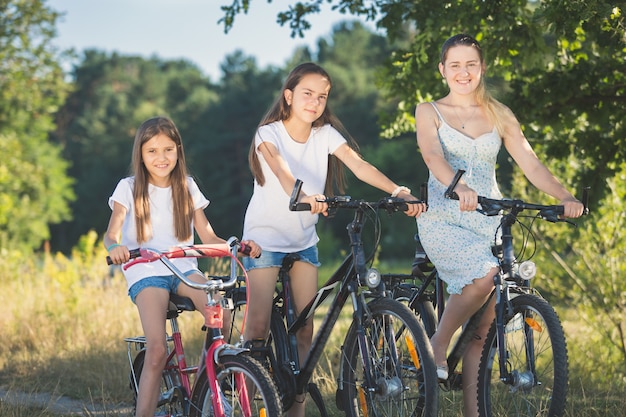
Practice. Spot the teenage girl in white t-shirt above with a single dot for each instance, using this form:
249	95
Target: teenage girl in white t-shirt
158	208
298	138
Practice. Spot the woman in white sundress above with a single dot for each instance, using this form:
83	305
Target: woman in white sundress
465	130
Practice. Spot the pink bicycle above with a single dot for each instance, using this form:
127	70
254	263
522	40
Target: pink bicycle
227	382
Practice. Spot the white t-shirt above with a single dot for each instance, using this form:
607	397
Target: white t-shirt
162	219
268	220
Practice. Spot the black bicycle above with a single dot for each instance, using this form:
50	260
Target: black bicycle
524	366
386	367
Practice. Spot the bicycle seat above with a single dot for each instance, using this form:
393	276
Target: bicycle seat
421	263
179	303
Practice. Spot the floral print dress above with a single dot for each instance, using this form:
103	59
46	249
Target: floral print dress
459	243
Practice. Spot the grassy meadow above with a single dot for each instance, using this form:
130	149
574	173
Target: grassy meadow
64	320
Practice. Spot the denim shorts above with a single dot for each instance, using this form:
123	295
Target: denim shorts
275	259
167	282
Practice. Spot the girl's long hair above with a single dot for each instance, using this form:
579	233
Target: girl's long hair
495	109
182	202
280	110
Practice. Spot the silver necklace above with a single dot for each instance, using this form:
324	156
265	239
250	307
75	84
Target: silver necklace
466	120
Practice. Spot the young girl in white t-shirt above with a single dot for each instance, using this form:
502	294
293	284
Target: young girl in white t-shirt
158	208
298	138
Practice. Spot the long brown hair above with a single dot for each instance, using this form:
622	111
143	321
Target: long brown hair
495	109
280	110
182	202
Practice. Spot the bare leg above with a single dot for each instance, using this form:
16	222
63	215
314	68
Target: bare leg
200	300
261	286
459	309
152	306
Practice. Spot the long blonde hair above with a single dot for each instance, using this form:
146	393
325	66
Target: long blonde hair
182	201
280	110
495	110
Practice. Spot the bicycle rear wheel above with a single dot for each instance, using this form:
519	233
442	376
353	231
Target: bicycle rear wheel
399	378
264	401
536	359
423	308
171	394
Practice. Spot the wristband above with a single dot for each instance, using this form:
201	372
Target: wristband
399	190
115	245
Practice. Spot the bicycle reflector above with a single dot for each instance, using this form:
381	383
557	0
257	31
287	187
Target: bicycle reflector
527	270
372	278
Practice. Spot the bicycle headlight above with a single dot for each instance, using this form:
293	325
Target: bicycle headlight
372	278
527	270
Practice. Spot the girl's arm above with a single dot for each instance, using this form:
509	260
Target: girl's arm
118	253
207	234
281	170
537	173
426	127
369	174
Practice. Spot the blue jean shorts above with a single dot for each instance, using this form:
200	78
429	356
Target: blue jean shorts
275	259
167	282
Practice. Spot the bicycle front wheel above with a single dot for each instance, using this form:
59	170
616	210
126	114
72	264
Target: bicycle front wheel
396	376
263	399
536	361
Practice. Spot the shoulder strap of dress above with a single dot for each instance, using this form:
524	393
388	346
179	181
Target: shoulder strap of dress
437	110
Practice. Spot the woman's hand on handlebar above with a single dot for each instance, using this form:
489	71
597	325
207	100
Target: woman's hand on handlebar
572	208
468	198
414	209
317	203
119	255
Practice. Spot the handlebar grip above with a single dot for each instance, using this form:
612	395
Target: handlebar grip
300	207
134	253
449	193
244	249
293	200
585	200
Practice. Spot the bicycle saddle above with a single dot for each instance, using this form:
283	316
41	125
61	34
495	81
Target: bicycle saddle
179	303
421	263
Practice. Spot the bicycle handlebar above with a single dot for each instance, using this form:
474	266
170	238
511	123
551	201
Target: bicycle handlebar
214	250
493	207
390	204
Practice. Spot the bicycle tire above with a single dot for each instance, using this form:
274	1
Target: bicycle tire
279	364
265	402
171	396
423	308
404	387
541	394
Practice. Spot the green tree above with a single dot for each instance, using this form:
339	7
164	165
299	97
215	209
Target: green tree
112	95
219	157
34	186
559	65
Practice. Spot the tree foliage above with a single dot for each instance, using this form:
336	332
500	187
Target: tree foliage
34	186
112	96
557	64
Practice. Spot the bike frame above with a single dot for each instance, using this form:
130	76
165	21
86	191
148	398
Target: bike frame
214	343
347	279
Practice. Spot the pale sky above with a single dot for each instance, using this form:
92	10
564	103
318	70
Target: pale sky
172	29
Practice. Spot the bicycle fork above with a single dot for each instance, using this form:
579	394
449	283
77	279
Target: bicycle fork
517	381
215	349
389	387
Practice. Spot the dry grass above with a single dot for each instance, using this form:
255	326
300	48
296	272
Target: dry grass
64	321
